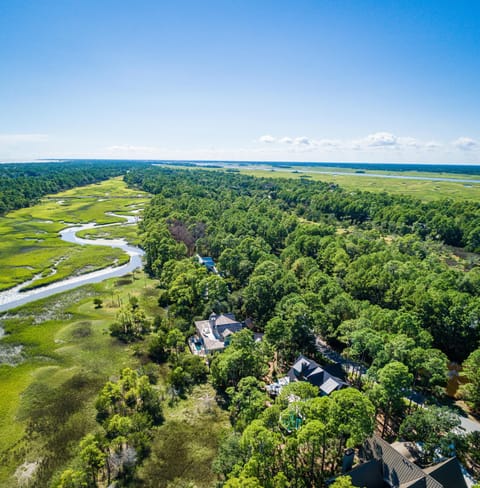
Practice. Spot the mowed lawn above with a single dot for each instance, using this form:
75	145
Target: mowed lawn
30	243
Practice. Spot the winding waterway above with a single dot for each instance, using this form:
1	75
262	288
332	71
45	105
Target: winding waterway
14	297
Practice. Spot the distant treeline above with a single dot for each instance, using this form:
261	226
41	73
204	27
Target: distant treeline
23	184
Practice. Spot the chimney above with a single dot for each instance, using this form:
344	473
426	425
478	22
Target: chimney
347	462
213	323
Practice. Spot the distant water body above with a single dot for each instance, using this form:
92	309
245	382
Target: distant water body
395	177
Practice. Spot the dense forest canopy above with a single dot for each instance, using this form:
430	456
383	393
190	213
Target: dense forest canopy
374	275
357	266
454	223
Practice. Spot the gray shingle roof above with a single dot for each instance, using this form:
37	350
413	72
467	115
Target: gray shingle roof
214	339
420	483
448	473
397	470
389	468
305	369
368	474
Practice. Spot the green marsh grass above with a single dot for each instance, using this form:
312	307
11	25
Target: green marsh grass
30	243
127	232
68	356
192	431
421	189
67	351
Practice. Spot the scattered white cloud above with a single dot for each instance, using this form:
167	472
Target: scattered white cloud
465	143
385	140
380	139
329	143
268	139
302	141
372	143
376	146
409	142
432	145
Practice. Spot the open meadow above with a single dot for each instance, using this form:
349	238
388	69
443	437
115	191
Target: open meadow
193	429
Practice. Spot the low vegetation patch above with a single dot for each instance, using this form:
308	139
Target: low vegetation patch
191	433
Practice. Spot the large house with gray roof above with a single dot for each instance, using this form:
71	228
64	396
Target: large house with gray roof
385	466
305	369
214	334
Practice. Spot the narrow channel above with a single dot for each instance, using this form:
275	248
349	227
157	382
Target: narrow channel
14	297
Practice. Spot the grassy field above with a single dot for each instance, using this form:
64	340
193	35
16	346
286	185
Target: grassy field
423	190
30	244
68	355
191	432
365	170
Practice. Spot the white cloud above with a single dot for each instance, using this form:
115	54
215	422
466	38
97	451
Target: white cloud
432	145
329	143
302	141
408	142
386	140
377	141
268	139
465	143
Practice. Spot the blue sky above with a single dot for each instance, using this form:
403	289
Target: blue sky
291	80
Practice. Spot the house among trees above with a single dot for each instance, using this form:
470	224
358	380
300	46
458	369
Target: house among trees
305	369
385	465
208	262
214	334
